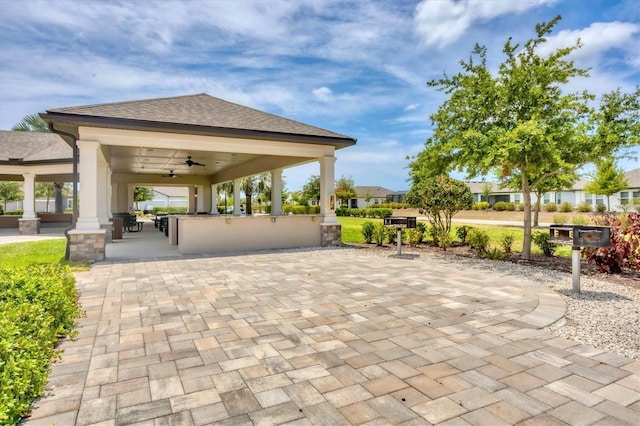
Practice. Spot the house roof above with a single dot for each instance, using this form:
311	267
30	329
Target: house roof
33	147
478	188
374	191
633	178
172	191
193	114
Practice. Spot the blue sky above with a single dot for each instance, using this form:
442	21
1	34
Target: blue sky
355	67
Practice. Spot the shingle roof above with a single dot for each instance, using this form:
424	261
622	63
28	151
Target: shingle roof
374	191
33	146
199	110
633	178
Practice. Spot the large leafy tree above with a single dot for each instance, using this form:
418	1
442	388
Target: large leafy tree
439	198
33	123
344	189
518	123
9	192
607	179
311	189
141	194
227	190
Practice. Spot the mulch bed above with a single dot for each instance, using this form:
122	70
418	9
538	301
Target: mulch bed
562	264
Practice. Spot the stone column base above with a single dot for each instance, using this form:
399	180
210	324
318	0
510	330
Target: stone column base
87	245
108	227
330	234
29	226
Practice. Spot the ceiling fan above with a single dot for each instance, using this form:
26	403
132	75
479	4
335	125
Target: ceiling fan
170	175
189	162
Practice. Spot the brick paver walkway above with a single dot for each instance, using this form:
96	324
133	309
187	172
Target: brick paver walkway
326	337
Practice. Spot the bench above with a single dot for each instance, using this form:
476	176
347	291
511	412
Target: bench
129	222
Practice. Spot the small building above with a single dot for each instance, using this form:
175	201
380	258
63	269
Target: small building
368	196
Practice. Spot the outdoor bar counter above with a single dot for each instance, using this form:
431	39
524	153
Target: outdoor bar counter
223	234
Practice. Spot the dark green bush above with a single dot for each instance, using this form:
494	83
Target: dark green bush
38	305
462	233
506	242
541	239
495	254
14	213
367	212
367	231
392	235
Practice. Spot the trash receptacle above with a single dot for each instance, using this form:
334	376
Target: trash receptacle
116	233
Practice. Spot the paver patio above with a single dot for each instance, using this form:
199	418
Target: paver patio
326	337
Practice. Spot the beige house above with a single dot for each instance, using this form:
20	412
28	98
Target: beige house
201	141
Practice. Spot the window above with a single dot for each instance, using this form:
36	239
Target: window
547	198
624	197
558	197
516	198
588	198
600	199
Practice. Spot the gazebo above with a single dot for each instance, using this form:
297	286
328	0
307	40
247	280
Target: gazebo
197	141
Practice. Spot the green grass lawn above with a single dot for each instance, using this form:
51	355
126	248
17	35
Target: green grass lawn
352	233
29	253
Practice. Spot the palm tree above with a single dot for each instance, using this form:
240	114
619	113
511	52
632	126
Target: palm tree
248	185
226	189
33	123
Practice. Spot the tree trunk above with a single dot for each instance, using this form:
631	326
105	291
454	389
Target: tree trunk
58	207
536	212
248	208
526	243
608	203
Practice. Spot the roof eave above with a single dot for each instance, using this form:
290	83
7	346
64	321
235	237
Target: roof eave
130	124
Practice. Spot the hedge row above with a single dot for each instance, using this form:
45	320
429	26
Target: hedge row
367	212
299	209
38	305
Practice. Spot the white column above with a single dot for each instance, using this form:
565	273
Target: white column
204	198
276	191
103	189
327	189
192	200
214	200
130	192
88	191
237	183
29	189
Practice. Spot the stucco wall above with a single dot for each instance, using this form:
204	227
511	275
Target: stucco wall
223	234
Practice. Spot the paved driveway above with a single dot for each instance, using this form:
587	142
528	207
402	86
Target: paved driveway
326	337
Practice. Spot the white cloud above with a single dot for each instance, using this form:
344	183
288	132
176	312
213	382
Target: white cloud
323	94
442	22
411	107
597	39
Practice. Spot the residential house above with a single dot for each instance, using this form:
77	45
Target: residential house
368	196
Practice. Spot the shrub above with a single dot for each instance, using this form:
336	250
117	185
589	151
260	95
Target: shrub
462	233
392	234
379	232
560	219
550	207
584	207
495	254
566	207
38	304
624	251
601	208
414	236
422	229
580	219
367	231
478	239
541	239
510	207
14	213
506	242
170	210
500	206
520	206
481	205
